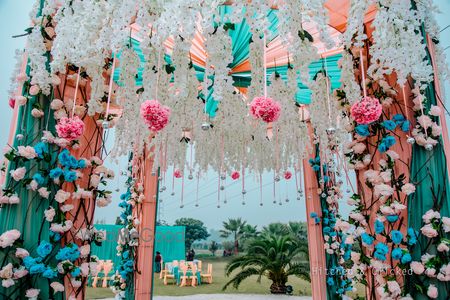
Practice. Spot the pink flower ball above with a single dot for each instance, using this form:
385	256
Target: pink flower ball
12	102
177	174
287	175
235	175
265	108
70	128
155	115
366	111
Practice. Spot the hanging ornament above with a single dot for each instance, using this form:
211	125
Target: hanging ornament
177	174
266	109
155	115
235	175
19	137
366	111
70	128
410	140
287	175
190	176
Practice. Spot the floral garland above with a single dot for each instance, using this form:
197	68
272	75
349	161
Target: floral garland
128	239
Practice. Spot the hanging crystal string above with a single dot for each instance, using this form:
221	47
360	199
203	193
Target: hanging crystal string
260	190
105	123
76	93
264	65
409	139
274	190
218	192
243	173
196	193
328	95
173	181
363	72
182	192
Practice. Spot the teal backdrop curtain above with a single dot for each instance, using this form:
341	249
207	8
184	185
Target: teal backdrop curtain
169	240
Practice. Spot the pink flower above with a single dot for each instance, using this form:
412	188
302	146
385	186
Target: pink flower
446	224
424	121
19	273
21	100
9	237
49	214
34	90
417	267
429	231
359	148
430	215
32	293
394	288
18	174
61	196
56	104
155	115
27	152
57	287
14	199
177	174
21	253
235	175
7	271
383	190
366	111
443	247
265	108
37	113
84	268
432	291
43	192
408	189
70	129
287	175
85	250
6	283
435	110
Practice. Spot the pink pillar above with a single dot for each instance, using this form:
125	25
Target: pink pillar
147	227
315	239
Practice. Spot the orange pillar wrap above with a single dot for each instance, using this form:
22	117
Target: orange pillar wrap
315	240
147	227
90	144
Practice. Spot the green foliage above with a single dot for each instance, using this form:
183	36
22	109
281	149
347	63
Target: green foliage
272	256
239	231
195	230
213	247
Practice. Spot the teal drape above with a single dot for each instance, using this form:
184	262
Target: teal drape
429	170
169	240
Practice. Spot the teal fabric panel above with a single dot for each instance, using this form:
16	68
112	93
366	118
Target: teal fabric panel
429	171
169	240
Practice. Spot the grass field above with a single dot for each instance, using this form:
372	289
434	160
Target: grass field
250	286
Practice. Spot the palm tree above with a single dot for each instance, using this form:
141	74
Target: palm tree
236	229
271	256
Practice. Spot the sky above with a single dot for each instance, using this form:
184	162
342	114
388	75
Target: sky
14	16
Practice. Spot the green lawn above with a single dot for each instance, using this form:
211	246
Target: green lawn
250	286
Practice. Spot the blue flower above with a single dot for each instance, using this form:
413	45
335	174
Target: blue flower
392	218
397	254
49	273
362	130
81	164
330	281
379	226
398	118
405	126
381	250
76	272
28	262
316	168
70	176
44	249
389	125
39	178
313	214
64	158
412	236
70	253
55	173
37	269
382	147
389	141
406	258
367	239
40	148
125	254
326	178
396	237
